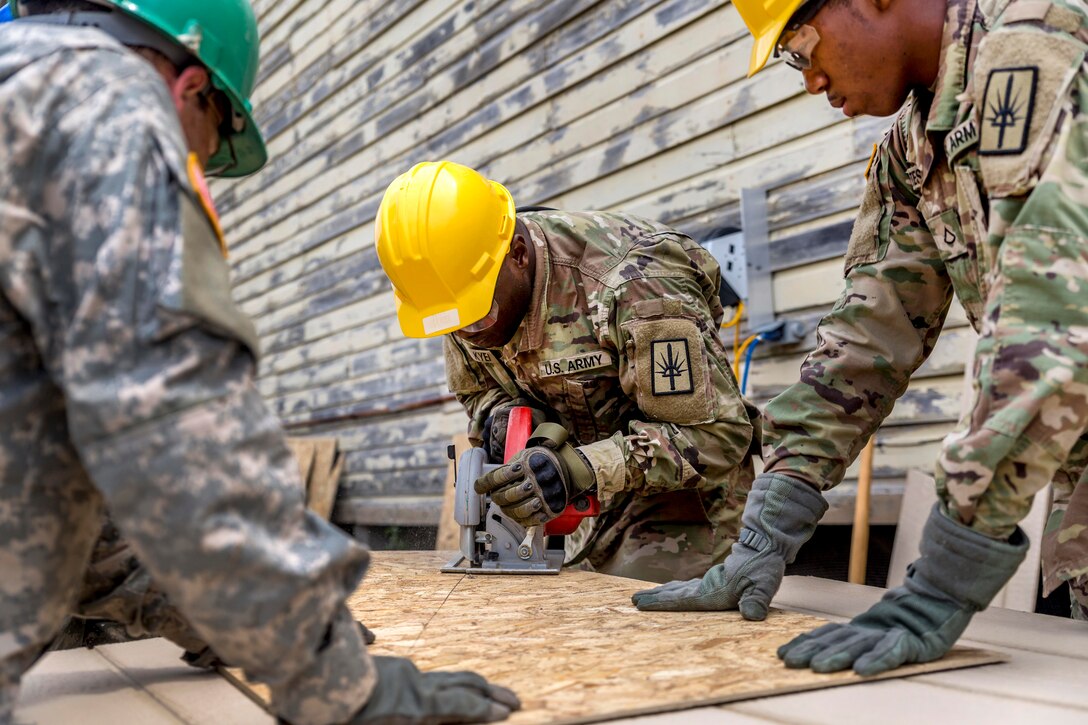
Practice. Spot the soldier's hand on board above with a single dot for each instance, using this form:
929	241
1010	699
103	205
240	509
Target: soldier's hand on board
779	517
403	694
959	573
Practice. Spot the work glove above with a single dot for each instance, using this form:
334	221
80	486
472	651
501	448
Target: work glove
779	517
403	694
959	573
537	483
494	435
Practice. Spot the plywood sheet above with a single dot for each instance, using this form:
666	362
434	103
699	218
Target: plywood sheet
573	647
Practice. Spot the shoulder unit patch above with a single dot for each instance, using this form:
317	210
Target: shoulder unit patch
671	367
1007	110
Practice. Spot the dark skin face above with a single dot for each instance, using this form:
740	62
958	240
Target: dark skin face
872	53
513	293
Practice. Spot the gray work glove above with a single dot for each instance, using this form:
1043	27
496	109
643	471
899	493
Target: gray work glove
403	694
494	433
959	573
536	485
779	517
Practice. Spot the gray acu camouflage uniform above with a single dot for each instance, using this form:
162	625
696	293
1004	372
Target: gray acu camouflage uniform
980	188
620	345
126	379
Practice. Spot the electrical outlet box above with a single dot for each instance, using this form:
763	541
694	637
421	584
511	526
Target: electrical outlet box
730	253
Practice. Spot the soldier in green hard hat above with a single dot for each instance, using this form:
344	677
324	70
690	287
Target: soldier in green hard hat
127	372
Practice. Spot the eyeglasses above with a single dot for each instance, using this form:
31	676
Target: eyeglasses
796	46
798	40
484	323
227	122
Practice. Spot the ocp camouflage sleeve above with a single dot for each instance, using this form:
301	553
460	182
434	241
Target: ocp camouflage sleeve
475	388
694	429
1031	365
881	329
116	271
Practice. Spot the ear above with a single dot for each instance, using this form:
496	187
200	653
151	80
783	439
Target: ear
519	250
188	84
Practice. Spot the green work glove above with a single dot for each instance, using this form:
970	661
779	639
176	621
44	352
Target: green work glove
959	573
779	517
403	694
494	433
536	485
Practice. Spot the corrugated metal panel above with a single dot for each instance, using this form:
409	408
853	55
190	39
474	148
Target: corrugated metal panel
641	105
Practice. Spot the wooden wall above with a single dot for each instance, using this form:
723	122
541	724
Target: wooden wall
640	105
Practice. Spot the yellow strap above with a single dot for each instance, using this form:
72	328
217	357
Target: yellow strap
200	186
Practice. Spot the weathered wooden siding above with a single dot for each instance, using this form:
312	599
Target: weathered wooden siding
640	105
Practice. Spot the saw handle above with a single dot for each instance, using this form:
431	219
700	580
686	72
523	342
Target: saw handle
518	429
566	522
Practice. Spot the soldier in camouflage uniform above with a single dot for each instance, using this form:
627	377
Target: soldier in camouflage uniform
127	373
607	324
979	189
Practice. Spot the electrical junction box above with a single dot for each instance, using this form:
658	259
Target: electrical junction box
729	251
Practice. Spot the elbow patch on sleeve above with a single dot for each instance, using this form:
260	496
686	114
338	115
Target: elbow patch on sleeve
873	222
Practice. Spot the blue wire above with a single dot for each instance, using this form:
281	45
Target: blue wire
748	363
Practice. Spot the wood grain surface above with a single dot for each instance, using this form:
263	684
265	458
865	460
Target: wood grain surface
575	649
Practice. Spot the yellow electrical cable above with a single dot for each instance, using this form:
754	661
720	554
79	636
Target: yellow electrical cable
736	318
735	324
740	354
736	341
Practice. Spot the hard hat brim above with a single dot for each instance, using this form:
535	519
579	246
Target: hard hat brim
418	323
249	152
764	46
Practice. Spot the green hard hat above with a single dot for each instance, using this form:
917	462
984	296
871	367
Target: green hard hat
222	35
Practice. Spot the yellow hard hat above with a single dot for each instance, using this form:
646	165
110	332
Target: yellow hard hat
766	19
442	233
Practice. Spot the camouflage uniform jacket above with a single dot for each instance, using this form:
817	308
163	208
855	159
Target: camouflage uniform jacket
979	188
124	362
621	343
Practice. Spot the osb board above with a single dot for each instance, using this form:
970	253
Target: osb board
574	648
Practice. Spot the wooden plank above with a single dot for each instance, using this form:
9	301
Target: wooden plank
390	511
916	702
325	478
614	660
451	94
304	450
380	113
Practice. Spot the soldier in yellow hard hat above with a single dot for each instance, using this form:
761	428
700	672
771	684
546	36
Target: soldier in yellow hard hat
977	190
604	323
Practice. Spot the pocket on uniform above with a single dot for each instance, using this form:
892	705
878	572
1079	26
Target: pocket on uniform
578	394
868	238
672	374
